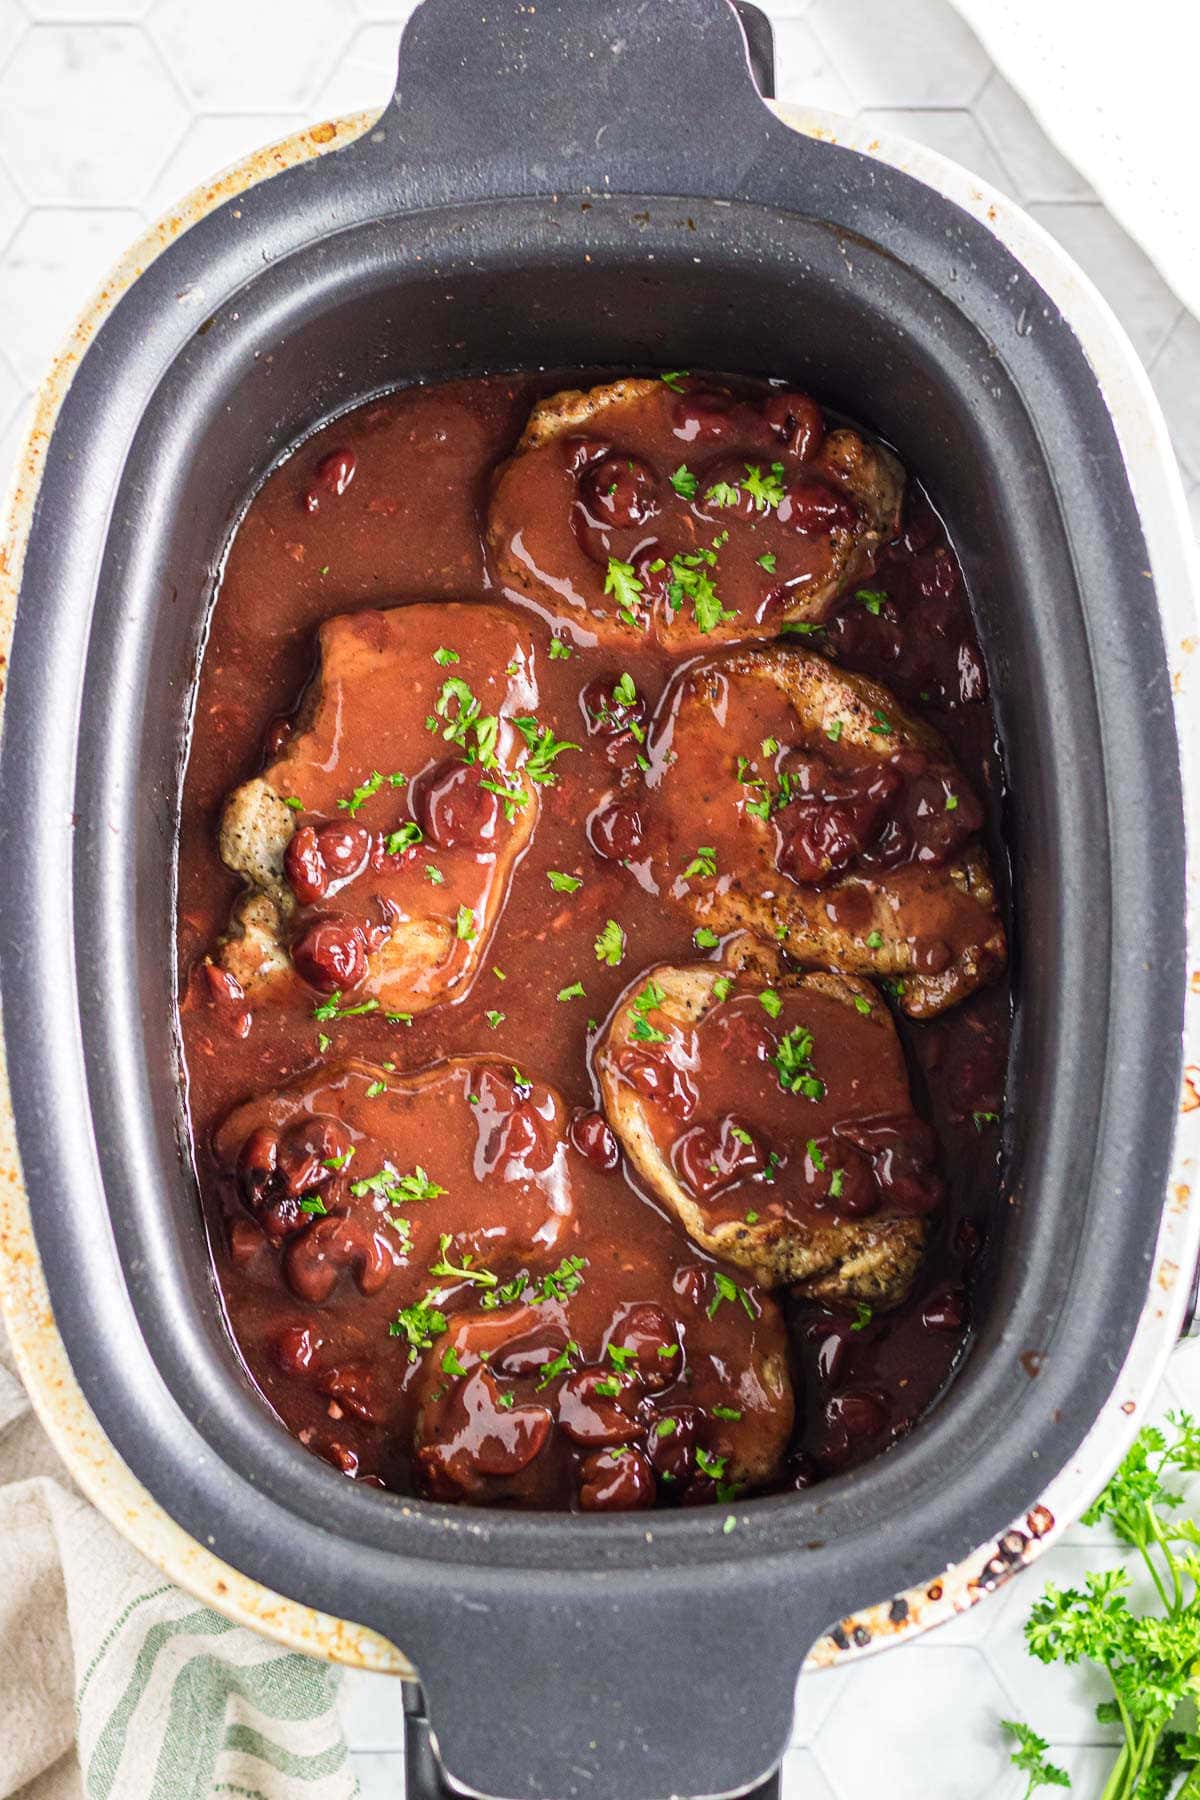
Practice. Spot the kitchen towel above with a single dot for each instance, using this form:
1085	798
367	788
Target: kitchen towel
1114	90
119	1686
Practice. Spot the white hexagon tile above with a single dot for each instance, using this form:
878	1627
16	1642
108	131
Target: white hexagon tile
112	109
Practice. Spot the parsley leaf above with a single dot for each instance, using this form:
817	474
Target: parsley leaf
467	1272
766	490
703	864
622	583
403	838
420	1324
674	380
793	1064
610	945
560	650
333	1008
544	747
464	923
725	1289
684	482
560	1365
444	656
574	992
1030	1758
563	884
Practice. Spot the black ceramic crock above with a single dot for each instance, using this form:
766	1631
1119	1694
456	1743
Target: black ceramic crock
587	182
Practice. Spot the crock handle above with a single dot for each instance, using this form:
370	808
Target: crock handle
502	97
426	1779
592	1684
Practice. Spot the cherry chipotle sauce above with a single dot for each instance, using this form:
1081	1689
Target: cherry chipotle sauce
668	1384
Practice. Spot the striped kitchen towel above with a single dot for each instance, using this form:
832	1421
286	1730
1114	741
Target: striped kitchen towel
117	1685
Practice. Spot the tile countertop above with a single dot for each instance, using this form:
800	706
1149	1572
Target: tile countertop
79	176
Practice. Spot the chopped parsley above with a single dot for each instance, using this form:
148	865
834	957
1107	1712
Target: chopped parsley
674	380
622	583
323	1041
362	793
375	1088
872	599
608	1384
506	1400
464	923
862	1005
951	802
559	1284
703	864
563	884
690	581
444	1268
452	1363
420	1324
313	1203
984	1118
815	1156
793	1064
863	1316
404	838
544	747
574	992
396	1189
650	998
610	945
333	1008
721	987
874	940
770	1002
705	939
295	802
443	656
666	1428
494	1018
837	1183
766	561
560	650
466	720
621	1356
725	1289
726	1412
684	482
833	731
560	1365
625	691
766	490
713	1466
722	493
883	725
499	973
435	874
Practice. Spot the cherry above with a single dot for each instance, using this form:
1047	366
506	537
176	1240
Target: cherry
610	1482
331	954
332	476
615	831
294	1348
593	1137
619	491
304	865
331	1244
812	508
344	850
454	809
591	1414
798	420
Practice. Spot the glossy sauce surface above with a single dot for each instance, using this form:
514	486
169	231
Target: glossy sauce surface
387	506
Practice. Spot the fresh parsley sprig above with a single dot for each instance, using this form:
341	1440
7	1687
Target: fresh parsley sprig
1150	1660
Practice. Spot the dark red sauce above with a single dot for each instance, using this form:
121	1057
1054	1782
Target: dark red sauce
356	1130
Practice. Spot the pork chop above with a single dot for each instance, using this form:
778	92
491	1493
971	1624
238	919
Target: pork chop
794	800
691	1070
683	512
377	847
553	1341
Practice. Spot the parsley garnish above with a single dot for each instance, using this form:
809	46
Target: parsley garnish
362	793
862	1005
443	656
874	940
674	380
494	1019
815	1155
872	599
882	726
323	1042
468	1272
313	1203
608	1384
559	649
451	1362
865	1313
396	1188
574	992
705	939
725	1289
333	1008
544	747
610	945
766	561
625	691
560	1365
622	583
984	1118
834	731
435	874
793	1064
713	1466
295	802
465	719
721	987
404	838
690	581
770	1002
767	490
951	802
563	884
726	1412
375	1088
721	493
650	998
684	482
420	1324
464	923
666	1427
703	864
